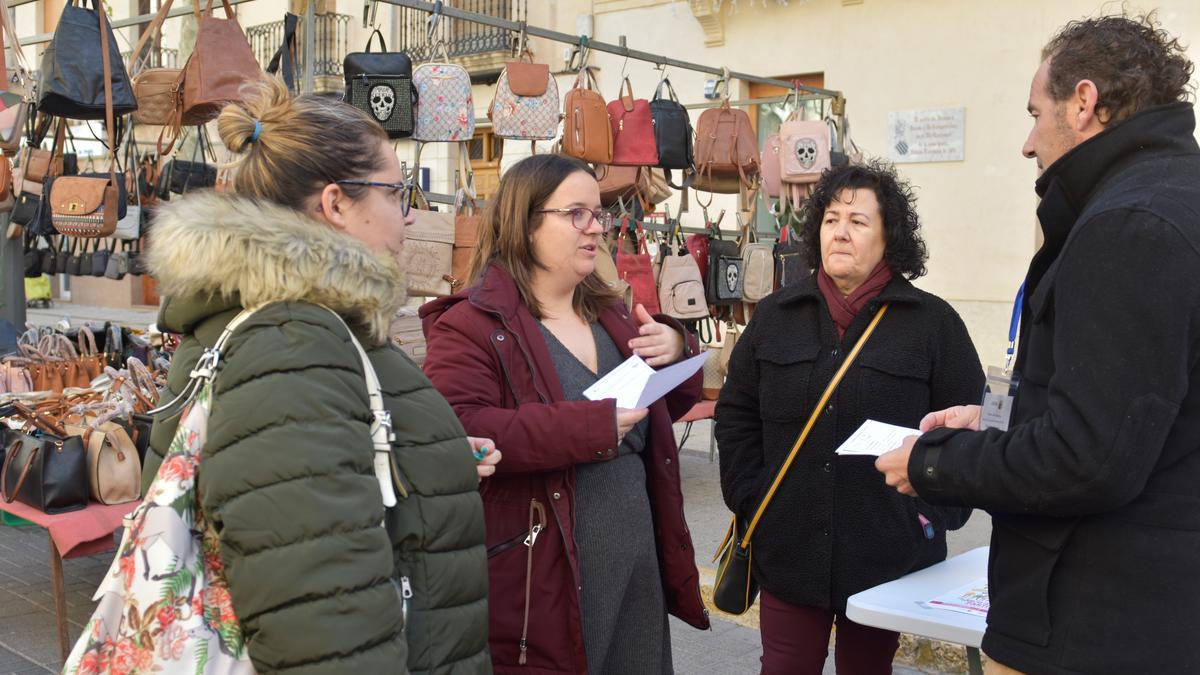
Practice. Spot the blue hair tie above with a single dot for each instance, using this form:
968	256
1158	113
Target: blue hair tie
257	131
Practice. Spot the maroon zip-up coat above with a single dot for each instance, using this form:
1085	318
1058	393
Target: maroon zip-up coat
487	356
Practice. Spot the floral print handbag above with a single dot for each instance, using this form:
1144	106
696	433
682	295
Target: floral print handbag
445	110
164	605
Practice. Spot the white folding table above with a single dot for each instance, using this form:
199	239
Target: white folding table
897	606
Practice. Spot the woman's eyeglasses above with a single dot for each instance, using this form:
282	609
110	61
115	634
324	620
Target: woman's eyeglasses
401	191
581	218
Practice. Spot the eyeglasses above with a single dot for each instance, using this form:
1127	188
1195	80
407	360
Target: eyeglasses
581	218
402	191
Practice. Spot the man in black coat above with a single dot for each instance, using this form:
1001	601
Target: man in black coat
1094	489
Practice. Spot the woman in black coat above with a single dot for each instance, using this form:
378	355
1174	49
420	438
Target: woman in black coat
834	528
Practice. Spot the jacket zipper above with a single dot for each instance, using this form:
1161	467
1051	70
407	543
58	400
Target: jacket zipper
537	521
406	594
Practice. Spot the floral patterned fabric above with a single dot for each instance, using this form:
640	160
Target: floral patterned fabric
444	110
525	117
164	606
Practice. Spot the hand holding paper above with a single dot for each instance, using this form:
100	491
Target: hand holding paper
634	384
875	438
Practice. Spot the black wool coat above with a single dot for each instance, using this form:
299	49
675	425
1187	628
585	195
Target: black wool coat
1095	489
834	528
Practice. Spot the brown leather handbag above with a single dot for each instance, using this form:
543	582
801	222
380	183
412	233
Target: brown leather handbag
467	221
220	63
113	469
85	206
726	150
587	133
90	358
153	87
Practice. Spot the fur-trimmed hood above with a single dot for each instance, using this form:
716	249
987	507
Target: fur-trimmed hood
212	251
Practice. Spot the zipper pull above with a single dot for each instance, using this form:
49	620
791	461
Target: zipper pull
926	526
533	534
406	592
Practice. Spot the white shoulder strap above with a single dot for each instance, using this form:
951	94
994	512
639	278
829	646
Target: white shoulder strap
381	426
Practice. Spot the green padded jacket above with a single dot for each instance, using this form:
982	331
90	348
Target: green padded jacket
286	475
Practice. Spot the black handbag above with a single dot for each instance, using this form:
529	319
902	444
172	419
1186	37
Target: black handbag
791	267
672	134
100	261
33	257
137	264
27	209
49	257
72	79
46	469
183	175
60	260
735	588
380	84
75	260
723	286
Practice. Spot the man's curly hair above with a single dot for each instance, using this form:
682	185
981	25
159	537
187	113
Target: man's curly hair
904	249
1134	63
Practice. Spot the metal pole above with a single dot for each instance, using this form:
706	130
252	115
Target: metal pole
605	47
310	47
123	23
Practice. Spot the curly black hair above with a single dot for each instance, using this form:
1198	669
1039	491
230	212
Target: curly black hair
904	249
1133	62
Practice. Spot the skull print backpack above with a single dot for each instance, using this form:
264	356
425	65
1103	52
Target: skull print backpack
804	154
381	85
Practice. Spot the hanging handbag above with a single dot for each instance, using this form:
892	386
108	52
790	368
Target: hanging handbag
726	150
428	250
49	257
672	133
758	259
525	106
182	175
632	130
45	468
153	87
587	133
169	538
74	259
64	254
680	285
770	166
635	268
118	264
220	63
14	95
790	265
287	56
100	259
735	588
381	85
724	280
88	206
804	154
467	222
82	75
444	110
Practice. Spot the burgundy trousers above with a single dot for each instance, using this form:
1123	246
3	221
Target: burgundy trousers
795	641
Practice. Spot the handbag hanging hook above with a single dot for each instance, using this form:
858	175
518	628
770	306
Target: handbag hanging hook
434	18
625	63
370	13
521	38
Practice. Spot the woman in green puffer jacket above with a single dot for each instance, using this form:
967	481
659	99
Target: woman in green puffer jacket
286	477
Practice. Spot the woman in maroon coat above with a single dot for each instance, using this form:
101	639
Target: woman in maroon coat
587	544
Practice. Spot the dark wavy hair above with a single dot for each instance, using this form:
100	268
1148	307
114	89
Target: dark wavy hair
904	249
1133	62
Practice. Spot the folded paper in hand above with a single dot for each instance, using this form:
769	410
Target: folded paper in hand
634	384
875	438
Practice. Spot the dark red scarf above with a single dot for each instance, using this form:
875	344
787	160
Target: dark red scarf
843	308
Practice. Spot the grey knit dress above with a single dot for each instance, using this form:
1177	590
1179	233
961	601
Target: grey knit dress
625	629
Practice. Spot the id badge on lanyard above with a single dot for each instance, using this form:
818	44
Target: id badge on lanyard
1001	387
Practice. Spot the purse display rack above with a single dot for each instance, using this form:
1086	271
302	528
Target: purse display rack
74	422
